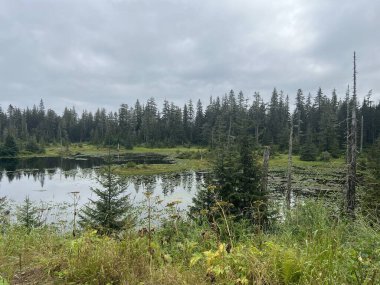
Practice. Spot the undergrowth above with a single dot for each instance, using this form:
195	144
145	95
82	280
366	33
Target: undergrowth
311	245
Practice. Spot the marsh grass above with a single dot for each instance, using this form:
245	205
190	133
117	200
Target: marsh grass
312	245
91	149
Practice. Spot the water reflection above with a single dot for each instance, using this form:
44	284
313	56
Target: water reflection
54	184
49	181
11	167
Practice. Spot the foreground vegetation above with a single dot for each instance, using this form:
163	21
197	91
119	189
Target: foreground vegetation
310	246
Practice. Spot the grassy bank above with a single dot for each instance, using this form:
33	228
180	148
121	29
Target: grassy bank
185	158
311	246
93	150
180	165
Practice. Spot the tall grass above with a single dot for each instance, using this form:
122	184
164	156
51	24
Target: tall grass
312	245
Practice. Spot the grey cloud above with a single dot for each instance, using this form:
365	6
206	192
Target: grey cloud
102	53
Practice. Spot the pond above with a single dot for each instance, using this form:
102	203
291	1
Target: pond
51	181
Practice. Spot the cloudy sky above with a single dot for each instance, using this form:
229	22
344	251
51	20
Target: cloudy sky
100	53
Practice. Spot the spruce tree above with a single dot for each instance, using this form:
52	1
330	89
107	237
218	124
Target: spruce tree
28	215
236	180
111	211
10	147
308	151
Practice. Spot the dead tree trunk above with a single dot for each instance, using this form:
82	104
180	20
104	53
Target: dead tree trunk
361	134
289	181
257	134
348	150
353	149
265	169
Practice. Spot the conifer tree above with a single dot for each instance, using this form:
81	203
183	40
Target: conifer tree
28	215
111	211
236	180
308	151
10	147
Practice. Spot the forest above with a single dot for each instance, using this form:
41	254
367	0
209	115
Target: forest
319	123
240	227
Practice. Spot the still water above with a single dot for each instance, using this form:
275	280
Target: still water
50	181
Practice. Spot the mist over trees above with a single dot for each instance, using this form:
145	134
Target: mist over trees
319	123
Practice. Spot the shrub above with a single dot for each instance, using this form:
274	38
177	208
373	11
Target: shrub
33	146
131	164
325	156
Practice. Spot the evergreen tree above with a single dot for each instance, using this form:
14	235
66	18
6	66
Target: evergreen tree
10	147
198	124
257	116
308	151
28	215
273	126
236	181
111	211
371	195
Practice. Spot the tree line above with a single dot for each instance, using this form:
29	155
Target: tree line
319	123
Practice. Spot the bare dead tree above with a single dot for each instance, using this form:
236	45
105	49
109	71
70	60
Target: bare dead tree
289	180
353	151
361	134
75	205
265	169
348	150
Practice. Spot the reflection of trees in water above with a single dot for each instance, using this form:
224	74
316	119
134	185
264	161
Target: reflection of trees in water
41	164
187	181
200	178
60	213
8	164
10	175
40	175
71	173
87	173
169	182
148	182
51	172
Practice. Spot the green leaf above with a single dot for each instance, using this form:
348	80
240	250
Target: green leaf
195	258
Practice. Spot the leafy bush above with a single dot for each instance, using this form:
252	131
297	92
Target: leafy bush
131	164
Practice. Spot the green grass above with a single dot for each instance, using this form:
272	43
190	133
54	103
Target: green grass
166	150
90	149
312	245
281	160
180	165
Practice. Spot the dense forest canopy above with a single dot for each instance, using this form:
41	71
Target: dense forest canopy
319	122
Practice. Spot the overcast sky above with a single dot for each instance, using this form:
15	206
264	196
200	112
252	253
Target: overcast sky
101	53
